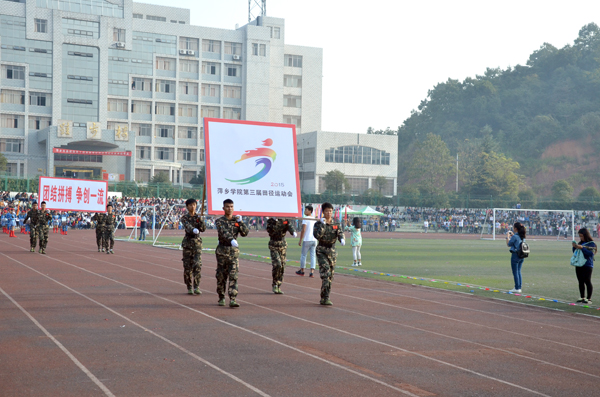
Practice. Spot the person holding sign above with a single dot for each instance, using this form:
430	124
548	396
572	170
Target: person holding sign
42	227
100	220
191	244
277	229
327	231
228	229
31	220
110	221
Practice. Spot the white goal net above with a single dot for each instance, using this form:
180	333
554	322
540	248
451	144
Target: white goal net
542	224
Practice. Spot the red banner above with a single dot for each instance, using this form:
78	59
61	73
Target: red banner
69	151
130	221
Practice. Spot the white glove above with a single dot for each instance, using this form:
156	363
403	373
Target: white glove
343	242
295	234
323	220
234	243
238	218
196	231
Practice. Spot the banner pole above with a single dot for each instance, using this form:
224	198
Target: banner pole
203	197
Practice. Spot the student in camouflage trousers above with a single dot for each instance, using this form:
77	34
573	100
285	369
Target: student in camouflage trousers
277	229
327	231
228	228
100	220
110	220
32	216
43	229
191	244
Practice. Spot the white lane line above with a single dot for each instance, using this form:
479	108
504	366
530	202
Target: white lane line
230	375
305	320
61	347
208	316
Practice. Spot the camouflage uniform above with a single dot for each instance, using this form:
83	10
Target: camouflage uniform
227	255
326	235
192	249
33	215
42	228
100	220
110	220
277	230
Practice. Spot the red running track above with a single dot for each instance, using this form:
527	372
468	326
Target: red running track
79	322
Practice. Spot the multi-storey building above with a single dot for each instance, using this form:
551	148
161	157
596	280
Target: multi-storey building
98	88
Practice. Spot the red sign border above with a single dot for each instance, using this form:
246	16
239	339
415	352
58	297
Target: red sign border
128	153
208	120
63	209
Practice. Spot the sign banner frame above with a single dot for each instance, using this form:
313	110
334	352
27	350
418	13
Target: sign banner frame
74	203
280	155
93	153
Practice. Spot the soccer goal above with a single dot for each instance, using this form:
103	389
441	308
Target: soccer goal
549	223
165	237
140	211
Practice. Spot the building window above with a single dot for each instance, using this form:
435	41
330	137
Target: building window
210	68
40	99
113	125
233	70
12	72
232	113
165	86
117	105
142	175
41	25
233	48
186	88
358	185
292	81
164	131
155	18
230	91
186	155
163	153
138	16
254	48
142	129
357	155
142	152
118	34
188	110
140	84
11	145
209	111
211	46
141	107
294	61
210	90
296	120
262	50
12	121
166	109
187	132
276	33
292	101
165	64
187	43
39	123
188	66
309	155
14	97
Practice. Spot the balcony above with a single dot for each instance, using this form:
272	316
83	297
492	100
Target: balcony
141	116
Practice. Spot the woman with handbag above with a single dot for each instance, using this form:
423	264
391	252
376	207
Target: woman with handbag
513	241
584	273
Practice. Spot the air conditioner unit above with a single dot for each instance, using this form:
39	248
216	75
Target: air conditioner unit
191	52
183	52
120	44
237	58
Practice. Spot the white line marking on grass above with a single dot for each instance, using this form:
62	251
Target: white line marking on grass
60	346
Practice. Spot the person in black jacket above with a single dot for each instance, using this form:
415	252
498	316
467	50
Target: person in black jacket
584	273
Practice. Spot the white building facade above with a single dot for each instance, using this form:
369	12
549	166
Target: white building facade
360	157
116	76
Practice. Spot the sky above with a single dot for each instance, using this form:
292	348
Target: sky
380	57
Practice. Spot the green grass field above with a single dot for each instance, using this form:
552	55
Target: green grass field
546	273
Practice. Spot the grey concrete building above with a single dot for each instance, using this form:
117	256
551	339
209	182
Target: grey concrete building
361	157
114	76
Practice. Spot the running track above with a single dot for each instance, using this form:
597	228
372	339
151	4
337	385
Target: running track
77	322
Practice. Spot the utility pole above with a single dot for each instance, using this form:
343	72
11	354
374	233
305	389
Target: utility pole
456	172
257	8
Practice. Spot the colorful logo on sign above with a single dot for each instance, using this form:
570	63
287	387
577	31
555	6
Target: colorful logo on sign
267	157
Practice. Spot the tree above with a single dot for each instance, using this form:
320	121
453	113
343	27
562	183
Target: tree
381	183
589	194
494	174
336	181
3	162
562	191
527	198
160	177
431	165
198	179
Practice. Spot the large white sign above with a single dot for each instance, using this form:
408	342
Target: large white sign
255	165
66	194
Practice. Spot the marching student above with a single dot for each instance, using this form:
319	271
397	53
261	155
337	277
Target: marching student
277	229
193	224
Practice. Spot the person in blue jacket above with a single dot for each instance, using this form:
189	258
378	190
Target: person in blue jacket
11	218
513	241
4	226
584	273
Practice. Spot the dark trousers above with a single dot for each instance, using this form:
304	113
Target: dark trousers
584	276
